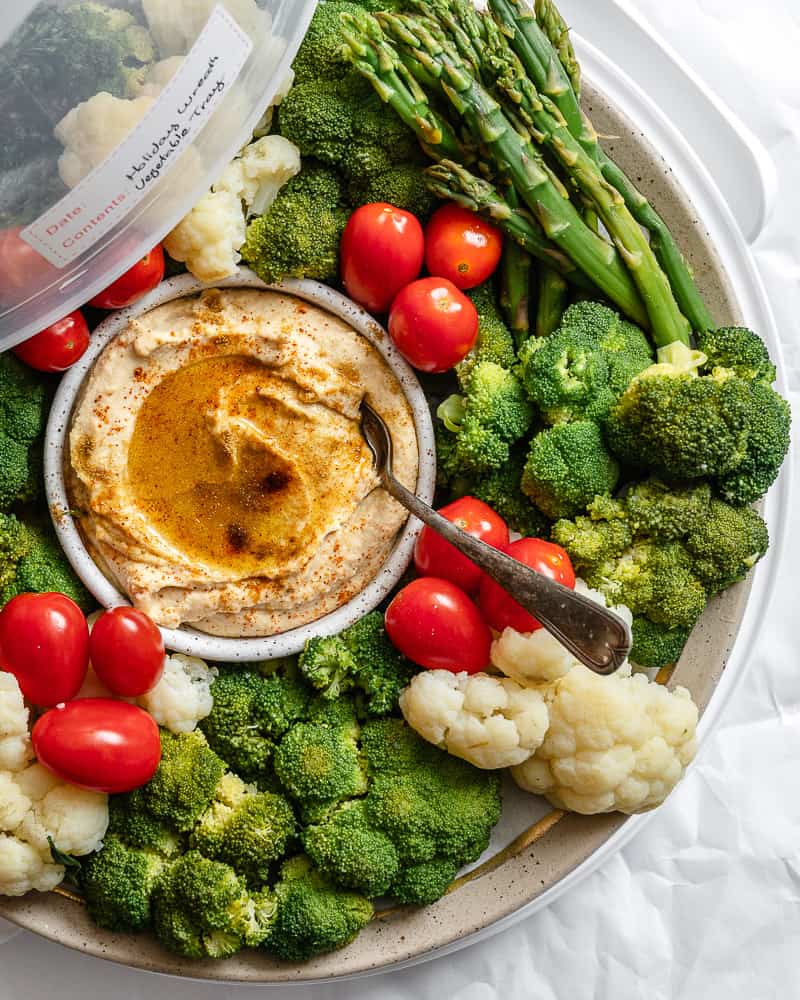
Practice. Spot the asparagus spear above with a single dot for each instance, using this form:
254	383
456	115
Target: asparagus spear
553	25
551	301
667	322
552	79
557	216
515	283
453	182
374	58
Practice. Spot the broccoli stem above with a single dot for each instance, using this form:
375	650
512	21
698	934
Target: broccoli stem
376	60
551	303
453	182
544	120
533	43
534	183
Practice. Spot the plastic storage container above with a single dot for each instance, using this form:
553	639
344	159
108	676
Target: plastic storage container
116	118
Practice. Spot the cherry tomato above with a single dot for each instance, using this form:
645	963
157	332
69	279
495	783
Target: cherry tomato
134	283
58	346
461	246
498	606
44	641
127	651
98	743
21	266
436	625
382	250
433	324
433	556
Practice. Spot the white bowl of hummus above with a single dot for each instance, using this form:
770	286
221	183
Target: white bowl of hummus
204	462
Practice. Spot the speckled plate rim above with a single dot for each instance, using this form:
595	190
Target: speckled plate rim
185	639
574	847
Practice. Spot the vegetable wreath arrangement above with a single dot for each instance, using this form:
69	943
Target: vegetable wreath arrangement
592	421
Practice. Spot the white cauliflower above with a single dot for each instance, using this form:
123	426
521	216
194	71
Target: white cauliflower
14	803
258	174
614	743
90	131
207	240
265	122
182	696
15	743
490	721
538	657
175	24
22	868
157	77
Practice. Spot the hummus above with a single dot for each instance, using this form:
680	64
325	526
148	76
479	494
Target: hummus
218	466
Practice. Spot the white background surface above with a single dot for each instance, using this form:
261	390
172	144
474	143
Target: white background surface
705	902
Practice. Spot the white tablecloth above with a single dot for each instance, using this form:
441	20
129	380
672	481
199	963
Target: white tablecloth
704	903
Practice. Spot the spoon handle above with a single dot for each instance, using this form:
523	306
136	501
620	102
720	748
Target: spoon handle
593	634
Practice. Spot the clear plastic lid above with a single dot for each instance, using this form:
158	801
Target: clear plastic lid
116	117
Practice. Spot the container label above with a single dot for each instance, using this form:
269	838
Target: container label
152	148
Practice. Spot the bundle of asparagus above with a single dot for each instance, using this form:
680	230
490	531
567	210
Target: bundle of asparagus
494	100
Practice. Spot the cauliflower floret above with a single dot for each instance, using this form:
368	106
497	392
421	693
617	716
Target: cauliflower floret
14	803
259	173
208	238
490	721
175	24
36	781
90	131
182	696
15	744
22	868
614	743
74	818
157	77
265	122
538	657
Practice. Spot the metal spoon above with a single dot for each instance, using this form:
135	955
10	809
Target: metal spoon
593	634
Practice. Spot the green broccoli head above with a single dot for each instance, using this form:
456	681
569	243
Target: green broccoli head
328	665
348	849
133	824
244	828
726	544
495	340
667	511
502	491
321	55
402	185
249	714
34	562
184	783
299	235
738	351
423	883
313	916
24	402
656	645
568	465
117	884
491	415
381	671
202	909
319	762
625	347
596	538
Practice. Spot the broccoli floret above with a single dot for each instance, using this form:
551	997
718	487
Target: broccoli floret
58	57
666	511
299	236
488	418
313	915
495	340
362	658
319	762
344	124
202	909
568	465
131	823
244	828
322	53
26	191
184	783
738	351
34	562
579	371
595	538
402	185
118	882
656	645
346	848
422	884
726	544
249	714
23	411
